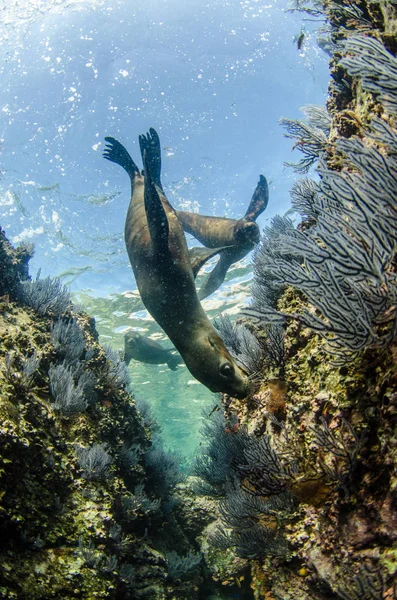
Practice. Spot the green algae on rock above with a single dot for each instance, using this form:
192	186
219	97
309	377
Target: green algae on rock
80	516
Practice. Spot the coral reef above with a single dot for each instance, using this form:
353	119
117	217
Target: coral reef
86	505
305	488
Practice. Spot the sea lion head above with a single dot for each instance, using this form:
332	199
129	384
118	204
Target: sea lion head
131	342
211	364
132	338
246	233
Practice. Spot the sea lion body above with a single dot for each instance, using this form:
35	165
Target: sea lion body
241	235
159	257
144	349
214	232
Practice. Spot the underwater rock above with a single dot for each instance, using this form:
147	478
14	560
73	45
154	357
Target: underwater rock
13	265
325	420
80	514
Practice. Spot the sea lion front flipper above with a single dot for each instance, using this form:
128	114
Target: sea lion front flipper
259	200
155	213
174	361
115	152
199	255
216	277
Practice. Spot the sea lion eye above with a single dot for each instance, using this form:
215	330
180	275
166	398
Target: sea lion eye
211	343
226	370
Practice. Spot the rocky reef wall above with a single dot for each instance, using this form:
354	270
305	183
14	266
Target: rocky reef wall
304	470
87	504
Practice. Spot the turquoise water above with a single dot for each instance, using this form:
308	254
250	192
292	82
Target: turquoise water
213	78
176	397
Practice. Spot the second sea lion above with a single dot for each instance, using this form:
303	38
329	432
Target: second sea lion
159	257
144	349
214	232
241	235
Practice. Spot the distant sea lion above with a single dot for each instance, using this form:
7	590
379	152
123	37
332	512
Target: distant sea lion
240	234
142	348
159	257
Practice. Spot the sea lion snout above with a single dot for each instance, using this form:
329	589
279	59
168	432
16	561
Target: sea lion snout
235	384
211	363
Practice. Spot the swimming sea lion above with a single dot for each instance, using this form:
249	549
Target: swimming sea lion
240	234
214	232
142	348
159	257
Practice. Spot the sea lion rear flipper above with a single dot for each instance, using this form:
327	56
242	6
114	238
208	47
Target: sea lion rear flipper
153	144
115	152
259	200
174	360
200	255
215	278
155	213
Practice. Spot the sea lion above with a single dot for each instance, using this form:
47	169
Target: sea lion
241	235
142	348
159	257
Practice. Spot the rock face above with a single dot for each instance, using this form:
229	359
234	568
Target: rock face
13	265
299	487
305	468
86	507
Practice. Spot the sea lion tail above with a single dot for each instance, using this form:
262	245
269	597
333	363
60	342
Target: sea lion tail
115	152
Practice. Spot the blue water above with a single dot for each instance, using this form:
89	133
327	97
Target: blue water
213	79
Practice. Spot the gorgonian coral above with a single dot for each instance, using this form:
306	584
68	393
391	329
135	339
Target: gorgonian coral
343	262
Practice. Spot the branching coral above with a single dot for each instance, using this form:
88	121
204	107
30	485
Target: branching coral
223	451
312	7
95	461
180	566
71	388
68	340
117	371
139	504
250	524
265	473
366	58
21	378
304	197
342	445
248	476
162	469
349	15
